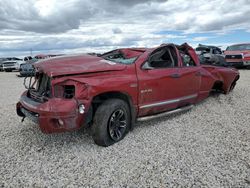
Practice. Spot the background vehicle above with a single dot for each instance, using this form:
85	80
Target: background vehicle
110	92
11	63
211	55
27	68
1	63
238	55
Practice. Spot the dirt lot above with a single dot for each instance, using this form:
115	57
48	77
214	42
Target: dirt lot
207	146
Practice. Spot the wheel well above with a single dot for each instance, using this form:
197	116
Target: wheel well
234	82
218	86
99	99
237	78
110	95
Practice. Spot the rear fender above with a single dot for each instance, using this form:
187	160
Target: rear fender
226	76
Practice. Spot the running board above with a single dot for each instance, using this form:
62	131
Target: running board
182	109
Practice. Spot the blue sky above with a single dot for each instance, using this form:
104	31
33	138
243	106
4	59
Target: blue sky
79	26
212	38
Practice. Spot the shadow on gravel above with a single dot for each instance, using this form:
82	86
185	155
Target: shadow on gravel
31	135
30	132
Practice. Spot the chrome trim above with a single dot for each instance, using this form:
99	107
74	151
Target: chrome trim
146	118
241	54
188	97
169	101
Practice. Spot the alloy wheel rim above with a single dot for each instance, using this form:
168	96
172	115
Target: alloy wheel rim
117	124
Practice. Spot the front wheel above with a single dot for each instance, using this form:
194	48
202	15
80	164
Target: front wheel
111	122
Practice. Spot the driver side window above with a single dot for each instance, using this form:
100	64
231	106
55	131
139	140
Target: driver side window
163	58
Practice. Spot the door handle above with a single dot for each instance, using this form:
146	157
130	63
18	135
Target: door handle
198	73
175	75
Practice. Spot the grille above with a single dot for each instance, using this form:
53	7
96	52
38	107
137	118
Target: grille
43	90
238	56
10	64
37	97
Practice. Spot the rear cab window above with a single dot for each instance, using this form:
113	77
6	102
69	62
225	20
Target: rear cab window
123	56
188	55
187	60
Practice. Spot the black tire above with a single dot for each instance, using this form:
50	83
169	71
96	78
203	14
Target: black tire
107	124
232	85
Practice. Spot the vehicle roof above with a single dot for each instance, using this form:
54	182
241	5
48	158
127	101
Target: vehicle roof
240	44
128	52
132	52
206	46
40	56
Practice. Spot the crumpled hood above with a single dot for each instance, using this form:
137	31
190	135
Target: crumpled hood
76	64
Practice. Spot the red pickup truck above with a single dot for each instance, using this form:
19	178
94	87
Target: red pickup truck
238	55
112	91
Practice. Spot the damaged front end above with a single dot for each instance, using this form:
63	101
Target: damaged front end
38	87
57	105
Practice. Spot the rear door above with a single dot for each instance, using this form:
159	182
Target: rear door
190	76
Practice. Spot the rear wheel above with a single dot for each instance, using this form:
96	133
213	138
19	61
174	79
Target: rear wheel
111	122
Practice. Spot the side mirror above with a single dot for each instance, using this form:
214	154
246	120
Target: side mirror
146	66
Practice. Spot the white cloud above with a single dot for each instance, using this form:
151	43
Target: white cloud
105	24
199	39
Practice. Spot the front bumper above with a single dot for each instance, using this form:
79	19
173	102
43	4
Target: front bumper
238	63
55	115
9	68
246	63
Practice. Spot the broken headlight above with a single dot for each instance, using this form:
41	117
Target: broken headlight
69	89
64	91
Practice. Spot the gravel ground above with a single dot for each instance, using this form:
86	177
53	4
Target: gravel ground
208	146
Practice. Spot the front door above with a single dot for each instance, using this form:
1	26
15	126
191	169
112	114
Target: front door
159	82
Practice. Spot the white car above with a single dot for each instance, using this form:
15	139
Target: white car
9	66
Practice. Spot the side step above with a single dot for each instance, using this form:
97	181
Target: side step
182	109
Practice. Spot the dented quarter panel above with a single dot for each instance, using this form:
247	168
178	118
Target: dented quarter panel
222	74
